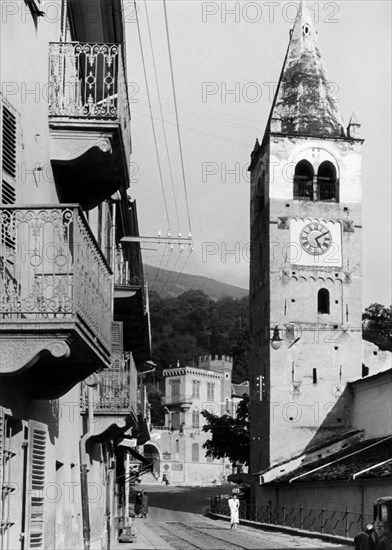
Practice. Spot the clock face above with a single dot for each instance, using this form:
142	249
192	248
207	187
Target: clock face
315	238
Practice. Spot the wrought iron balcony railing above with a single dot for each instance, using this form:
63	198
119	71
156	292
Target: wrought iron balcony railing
87	81
52	270
122	271
117	390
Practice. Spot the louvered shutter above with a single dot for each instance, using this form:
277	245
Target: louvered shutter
9	152
1	457
117	344
35	485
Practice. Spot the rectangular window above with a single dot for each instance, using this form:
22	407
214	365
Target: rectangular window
175	388
195	452
196	389
195	419
210	391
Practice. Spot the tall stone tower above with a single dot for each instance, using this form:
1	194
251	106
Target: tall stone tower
306	260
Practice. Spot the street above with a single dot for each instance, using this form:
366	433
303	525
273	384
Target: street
175	521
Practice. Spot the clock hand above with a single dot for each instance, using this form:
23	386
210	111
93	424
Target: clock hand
319	237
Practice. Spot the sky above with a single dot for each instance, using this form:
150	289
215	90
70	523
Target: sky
227	57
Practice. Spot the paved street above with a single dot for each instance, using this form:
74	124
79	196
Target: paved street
175	521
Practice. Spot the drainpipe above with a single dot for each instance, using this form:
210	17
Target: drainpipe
84	471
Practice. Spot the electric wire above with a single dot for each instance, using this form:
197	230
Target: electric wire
183	267
161	111
151	116
176	112
159	267
169	275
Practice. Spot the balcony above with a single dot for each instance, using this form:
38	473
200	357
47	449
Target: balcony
182	401
55	298
117	393
131	301
119	401
89	119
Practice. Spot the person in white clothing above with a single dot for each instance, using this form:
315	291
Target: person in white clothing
234	505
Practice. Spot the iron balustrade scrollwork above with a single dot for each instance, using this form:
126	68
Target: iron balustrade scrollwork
87	80
52	268
117	387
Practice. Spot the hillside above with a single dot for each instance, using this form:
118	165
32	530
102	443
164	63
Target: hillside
163	285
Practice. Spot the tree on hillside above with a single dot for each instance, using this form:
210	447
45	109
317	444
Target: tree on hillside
377	325
192	324
229	436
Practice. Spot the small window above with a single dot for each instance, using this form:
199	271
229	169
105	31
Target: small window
195	452
303	181
195	419
210	391
196	389
175	388
323	301
177	447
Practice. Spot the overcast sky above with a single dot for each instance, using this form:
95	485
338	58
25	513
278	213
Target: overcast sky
218	47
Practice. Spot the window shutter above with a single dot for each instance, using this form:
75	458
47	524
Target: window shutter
1	456
9	152
35	485
117	344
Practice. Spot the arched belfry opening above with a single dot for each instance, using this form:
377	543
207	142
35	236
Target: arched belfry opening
303	181
327	183
323	301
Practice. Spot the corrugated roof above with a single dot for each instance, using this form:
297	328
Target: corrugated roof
342	465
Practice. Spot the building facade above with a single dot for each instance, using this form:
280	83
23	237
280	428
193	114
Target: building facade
204	385
74	322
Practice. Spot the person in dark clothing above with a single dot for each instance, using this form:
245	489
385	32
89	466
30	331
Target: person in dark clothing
367	540
138	504
144	508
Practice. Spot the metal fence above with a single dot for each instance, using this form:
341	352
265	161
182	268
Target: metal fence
336	522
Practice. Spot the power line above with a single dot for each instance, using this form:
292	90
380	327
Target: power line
156	274
183	267
176	111
161	111
150	109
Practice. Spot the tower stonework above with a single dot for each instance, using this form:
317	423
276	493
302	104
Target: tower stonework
306	261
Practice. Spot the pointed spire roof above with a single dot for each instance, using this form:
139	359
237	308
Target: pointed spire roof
304	102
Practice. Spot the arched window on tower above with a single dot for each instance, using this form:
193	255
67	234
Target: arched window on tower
323	301
303	181
327	184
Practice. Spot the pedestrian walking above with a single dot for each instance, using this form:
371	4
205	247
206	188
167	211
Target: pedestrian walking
234	505
144	508
138	504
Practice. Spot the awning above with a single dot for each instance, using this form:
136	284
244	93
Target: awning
139	456
243	478
113	430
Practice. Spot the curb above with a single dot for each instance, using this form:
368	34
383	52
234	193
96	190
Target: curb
289	530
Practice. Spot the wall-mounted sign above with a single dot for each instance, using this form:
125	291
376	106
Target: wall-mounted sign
166	455
128	442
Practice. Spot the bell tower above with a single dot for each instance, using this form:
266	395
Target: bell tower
306	260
